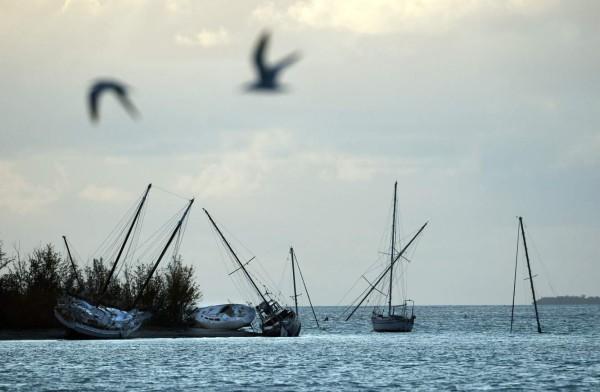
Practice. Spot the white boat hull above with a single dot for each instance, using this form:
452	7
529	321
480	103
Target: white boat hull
97	321
392	323
224	317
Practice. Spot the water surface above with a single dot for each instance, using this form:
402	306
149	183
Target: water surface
450	348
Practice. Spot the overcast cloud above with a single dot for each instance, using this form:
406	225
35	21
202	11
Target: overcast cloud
481	110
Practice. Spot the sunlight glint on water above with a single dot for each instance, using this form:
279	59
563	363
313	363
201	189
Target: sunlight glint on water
454	347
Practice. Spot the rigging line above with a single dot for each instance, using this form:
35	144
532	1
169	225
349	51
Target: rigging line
283	272
532	242
131	248
371	285
169	192
242	290
180	235
256	274
165	228
124	219
151	243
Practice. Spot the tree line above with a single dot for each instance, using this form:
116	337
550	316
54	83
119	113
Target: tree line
29	287
569	300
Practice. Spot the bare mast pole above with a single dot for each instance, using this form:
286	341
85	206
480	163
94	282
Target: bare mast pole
72	262
177	228
537	317
305	289
392	251
235	256
294	278
112	271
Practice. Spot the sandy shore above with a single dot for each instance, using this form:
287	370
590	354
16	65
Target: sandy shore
144	333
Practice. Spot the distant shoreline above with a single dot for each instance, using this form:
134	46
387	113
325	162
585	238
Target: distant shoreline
569	300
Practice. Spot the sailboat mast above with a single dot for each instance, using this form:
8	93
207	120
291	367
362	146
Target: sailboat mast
177	228
235	256
294	278
112	271
305	289
385	272
392	252
72	262
537	318
512	312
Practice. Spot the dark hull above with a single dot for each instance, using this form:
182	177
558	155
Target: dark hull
392	323
286	324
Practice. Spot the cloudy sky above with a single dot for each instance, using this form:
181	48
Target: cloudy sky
481	110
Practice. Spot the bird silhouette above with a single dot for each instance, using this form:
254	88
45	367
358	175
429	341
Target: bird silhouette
120	90
267	74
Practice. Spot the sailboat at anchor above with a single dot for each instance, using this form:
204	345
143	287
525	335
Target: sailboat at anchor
391	318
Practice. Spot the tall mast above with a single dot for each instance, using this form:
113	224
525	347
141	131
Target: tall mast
392	252
235	256
177	228
72	262
385	272
294	278
512	311
537	318
112	271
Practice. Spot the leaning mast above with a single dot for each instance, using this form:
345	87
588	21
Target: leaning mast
235	256
177	228
72	263
112	271
374	285
537	318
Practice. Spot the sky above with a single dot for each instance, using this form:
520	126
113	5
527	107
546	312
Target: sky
481	110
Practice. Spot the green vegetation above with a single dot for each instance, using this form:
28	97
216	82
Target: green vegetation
29	287
569	300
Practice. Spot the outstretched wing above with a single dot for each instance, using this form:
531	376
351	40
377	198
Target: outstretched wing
259	54
102	86
286	61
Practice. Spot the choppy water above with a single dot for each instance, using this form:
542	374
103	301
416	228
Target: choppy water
450	348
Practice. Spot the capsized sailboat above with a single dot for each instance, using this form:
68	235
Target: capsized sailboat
97	321
275	320
92	319
391	318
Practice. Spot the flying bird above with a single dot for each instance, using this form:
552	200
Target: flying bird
102	86
267	74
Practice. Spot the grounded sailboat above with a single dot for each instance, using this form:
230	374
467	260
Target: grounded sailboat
391	318
275	320
537	317
91	319
224	317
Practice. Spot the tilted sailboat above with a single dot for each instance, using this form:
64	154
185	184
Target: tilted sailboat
537	317
95	320
275	320
393	318
224	317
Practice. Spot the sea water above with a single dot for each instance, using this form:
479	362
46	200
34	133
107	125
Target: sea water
450	348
